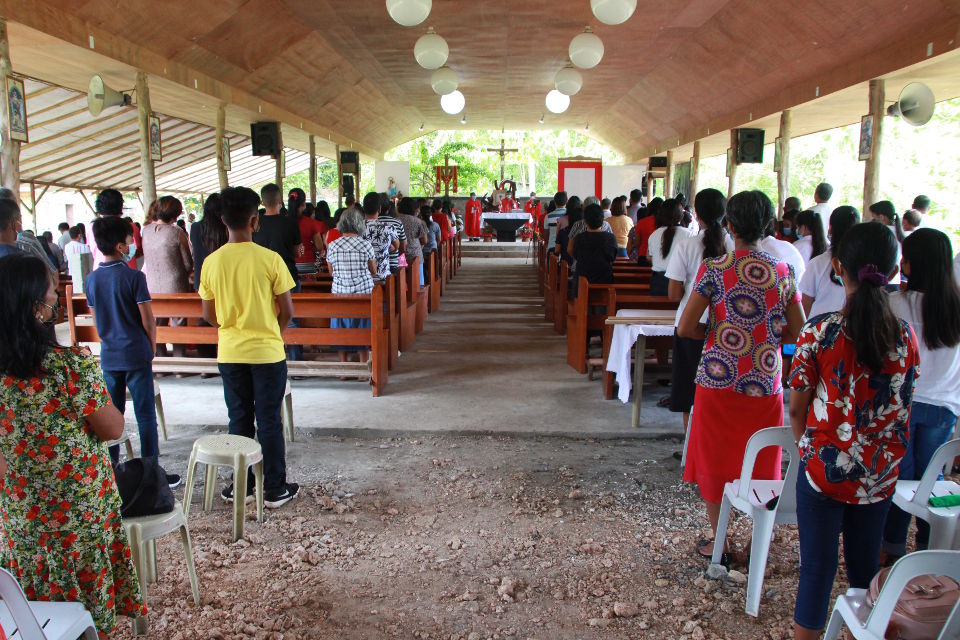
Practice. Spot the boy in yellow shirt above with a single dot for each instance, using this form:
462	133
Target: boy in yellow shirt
242	286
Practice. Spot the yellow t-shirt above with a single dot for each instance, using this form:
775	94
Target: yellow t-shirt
243	278
621	226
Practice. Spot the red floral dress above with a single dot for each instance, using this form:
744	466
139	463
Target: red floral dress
59	505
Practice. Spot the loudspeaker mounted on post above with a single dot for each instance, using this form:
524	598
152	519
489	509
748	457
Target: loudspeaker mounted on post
749	146
265	138
349	161
348	186
915	104
100	96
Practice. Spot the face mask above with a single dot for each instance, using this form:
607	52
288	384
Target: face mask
131	252
787	231
54	309
799	234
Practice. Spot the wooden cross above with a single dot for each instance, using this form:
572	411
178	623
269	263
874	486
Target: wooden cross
445	175
502	151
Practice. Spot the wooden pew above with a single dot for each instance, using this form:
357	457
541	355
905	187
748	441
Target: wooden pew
419	295
432	274
632	275
307	306
550	286
611	297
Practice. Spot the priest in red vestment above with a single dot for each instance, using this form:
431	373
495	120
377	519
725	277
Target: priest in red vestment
535	209
508	203
472	213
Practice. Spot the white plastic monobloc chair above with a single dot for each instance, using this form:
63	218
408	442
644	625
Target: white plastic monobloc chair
913	497
870	623
751	497
25	620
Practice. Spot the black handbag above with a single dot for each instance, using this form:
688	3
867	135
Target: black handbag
143	488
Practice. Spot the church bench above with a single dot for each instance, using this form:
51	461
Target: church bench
550	286
431	273
611	297
322	283
419	295
307	306
562	301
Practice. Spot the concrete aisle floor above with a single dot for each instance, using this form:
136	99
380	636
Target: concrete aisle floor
486	362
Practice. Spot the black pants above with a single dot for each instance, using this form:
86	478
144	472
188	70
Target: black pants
659	285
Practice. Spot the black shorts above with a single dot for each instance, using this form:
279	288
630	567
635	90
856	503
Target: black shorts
659	285
686	359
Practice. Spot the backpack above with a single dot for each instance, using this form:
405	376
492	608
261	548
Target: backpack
143	488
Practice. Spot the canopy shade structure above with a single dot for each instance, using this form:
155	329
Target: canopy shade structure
345	71
70	149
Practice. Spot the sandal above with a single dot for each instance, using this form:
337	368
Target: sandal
664	402
724	557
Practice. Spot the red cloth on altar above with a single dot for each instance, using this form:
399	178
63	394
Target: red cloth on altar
508	204
472	218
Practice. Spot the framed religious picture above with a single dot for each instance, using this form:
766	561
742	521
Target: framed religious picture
777	150
866	137
729	161
226	154
156	147
17	109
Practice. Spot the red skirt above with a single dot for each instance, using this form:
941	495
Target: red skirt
723	421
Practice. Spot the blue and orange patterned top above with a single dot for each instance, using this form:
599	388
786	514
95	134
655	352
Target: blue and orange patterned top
748	293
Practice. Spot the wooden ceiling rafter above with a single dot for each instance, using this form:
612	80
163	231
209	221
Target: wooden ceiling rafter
130	165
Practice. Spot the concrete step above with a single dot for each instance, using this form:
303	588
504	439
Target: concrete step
496	249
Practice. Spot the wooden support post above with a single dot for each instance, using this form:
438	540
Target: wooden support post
650	180
313	170
10	149
871	168
339	179
147	178
33	206
279	176
86	201
732	180
783	177
694	173
668	178
221	131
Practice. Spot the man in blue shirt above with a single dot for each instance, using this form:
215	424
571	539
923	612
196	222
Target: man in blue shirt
550	222
9	227
120	303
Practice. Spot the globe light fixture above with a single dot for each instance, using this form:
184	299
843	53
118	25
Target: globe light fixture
586	50
613	12
431	51
557	102
568	81
409	13
453	103
444	80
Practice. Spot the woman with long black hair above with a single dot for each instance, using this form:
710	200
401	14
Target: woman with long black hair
662	241
63	536
931	304
821	288
811	241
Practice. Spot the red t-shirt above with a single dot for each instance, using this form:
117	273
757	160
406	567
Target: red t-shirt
858	422
309	228
444	222
137	240
332	235
643	229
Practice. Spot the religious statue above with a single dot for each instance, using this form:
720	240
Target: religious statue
391	187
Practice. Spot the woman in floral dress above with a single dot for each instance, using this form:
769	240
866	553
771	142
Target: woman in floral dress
59	507
851	393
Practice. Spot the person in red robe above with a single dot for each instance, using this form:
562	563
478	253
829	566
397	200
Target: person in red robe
472	213
535	209
508	204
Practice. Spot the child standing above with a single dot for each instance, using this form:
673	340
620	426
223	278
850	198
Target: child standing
242	285
931	304
852	380
121	307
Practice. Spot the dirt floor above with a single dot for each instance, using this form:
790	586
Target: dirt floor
467	538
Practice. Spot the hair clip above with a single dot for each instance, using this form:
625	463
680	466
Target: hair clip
870	274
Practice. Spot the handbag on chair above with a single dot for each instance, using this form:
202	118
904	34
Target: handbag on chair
923	607
143	488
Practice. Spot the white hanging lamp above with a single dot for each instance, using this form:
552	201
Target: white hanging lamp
586	50
557	102
613	12
431	51
453	102
444	80
409	13
568	81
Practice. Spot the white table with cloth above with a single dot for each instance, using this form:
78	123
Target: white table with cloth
632	327
505	224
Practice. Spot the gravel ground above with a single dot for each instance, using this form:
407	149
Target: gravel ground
468	538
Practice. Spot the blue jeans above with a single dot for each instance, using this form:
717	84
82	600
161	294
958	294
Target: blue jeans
140	383
930	427
254	392
622	252
820	521
295	352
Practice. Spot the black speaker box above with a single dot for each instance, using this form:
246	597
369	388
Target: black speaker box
349	161
749	146
265	138
657	162
348	184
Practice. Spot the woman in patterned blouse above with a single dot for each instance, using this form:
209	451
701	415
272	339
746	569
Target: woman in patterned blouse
60	510
754	308
852	388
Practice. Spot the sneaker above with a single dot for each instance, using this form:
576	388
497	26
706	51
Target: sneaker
227	493
173	480
277	498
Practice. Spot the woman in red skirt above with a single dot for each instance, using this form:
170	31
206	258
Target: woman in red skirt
754	307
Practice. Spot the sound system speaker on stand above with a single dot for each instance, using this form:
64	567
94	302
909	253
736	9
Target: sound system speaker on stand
348	184
749	146
265	138
350	161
